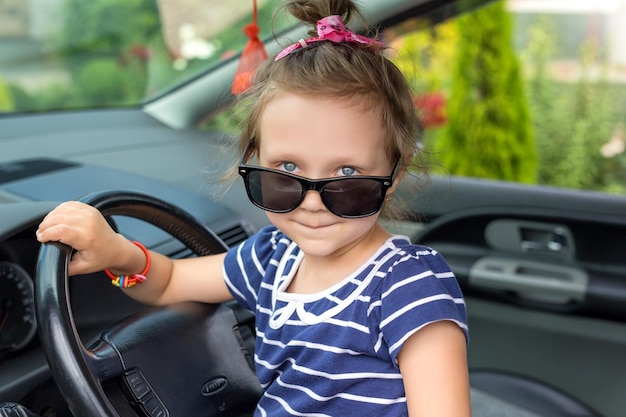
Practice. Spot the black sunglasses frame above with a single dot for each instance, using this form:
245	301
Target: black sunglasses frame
318	185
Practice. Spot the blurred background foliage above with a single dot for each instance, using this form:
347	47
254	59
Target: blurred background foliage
507	117
490	105
115	54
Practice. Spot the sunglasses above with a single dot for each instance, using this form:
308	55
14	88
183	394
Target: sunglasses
347	197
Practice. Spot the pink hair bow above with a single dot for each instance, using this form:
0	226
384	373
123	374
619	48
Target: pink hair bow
332	29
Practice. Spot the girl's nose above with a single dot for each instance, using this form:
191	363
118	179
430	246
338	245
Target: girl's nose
313	201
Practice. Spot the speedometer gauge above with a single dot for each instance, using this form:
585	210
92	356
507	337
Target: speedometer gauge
17	307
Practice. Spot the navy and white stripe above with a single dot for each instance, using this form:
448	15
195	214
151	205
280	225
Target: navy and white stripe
334	352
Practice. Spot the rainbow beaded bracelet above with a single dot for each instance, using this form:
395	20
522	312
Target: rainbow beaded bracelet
127	281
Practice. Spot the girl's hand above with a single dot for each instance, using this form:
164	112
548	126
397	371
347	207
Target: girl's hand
83	227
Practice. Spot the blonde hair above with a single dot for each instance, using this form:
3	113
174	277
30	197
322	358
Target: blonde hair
359	74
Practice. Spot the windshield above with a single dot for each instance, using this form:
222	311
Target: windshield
74	54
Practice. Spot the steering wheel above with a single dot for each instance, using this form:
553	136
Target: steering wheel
183	360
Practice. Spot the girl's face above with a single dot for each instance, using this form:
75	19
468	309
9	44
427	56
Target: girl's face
317	137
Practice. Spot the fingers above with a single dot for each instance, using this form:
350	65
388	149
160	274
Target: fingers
73	223
82	227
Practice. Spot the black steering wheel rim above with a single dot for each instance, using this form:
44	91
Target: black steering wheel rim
71	363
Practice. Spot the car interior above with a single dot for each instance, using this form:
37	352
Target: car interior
542	268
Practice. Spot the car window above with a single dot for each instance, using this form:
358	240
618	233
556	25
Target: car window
521	90
75	54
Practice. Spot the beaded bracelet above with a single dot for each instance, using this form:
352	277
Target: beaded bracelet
127	281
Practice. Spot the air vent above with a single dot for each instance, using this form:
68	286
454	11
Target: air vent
13	171
233	236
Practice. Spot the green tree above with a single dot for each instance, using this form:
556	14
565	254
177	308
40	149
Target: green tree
489	131
116	54
106	48
105	27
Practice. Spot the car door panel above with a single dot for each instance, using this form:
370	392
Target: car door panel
544	275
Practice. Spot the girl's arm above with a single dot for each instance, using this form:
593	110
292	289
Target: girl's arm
433	363
98	247
170	281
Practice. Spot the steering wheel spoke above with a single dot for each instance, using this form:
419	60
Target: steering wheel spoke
103	360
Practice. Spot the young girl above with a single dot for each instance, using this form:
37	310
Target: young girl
350	320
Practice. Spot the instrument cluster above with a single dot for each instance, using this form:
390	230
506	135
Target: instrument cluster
18	325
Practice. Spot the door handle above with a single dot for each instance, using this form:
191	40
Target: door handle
521	236
539	281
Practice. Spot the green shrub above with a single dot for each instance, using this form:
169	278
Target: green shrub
489	132
100	82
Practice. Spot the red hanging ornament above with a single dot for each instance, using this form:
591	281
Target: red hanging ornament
252	56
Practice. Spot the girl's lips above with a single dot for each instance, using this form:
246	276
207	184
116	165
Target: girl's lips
314	226
306	226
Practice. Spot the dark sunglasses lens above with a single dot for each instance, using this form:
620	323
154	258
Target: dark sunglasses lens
353	197
274	191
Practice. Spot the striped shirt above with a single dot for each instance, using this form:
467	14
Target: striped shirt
334	353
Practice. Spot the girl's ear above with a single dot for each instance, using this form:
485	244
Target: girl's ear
406	162
397	179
